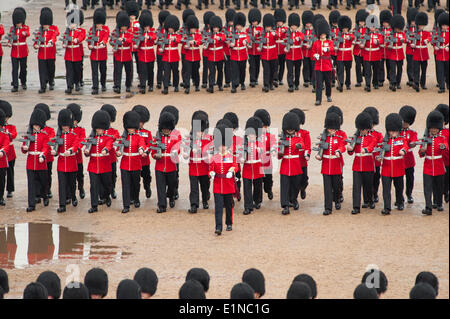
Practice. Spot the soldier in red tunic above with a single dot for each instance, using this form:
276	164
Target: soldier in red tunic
308	33
344	52
238	56
395	53
333	18
408	114
132	9
372	53
115	135
268	49
4	147
171	56
215	44
122	41
11	154
386	31
254	32
359	32
443	108
420	55
192	56
159	33
80	131
294	53
280	29
2	33
228	29
410	29
146	51
441	49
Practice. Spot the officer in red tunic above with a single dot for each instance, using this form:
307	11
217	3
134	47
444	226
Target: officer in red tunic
163	14
98	149
122	41
98	38
372	53
408	114
238	46
146	51
36	146
11	154
81	132
214	44
280	29
393	150
294	54
308	33
359	31
420	55
344	57
441	50
45	42
192	56
395	53
268	48
386	31
233	121
4	147
171	56
18	35
65	145
410	29
362	145
433	168
254	32
222	170
443	108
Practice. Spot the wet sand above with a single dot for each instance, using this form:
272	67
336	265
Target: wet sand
335	250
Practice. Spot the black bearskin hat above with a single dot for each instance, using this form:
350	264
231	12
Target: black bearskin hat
111	111
299	290
318	17
374	114
132	8
18	16
143	112
253	126
422	291
333	17
75	17
49	279
280	15
429	278
186	13
408	114
146	19
76	111
363	121
323	28
443	108
411	15
207	16
361	15
100	120
192	22
128	289
382	283
290	122
421	18
38	117
385	16
344	22
229	15
223	136
191	289
254	15
294	19
173	110
65	118
203	118
162	16
2	118
333	121
96	279
122	19
147	279
393	122
6	107
131	119
4	283
307	279
224	122
255	279
300	114
443	19
99	16
268	20
307	17
75	290
46	17
215	22
398	22
264	116
437	13
44	107
172	22
242	291
364	292
435	120
239	19
337	110
200	275
166	121
35	290
233	118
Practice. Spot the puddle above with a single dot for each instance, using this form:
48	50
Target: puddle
26	244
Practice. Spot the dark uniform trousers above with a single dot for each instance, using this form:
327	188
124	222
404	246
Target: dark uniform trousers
194	195
238	183
347	67
274	3
293	72
80	177
130	186
171	68
384	63
66	187
165	187
118	66
359	68
73	73
146	177
397	6
331	190
396	69
49	178
281	64
222	201
160	71
213	67
269	72
10	176
307	70
225	3
371	72
322	77
304	179
442	74
19	71
238	72
420	72
2	182
183	68
100	185
37	180
254	67
252	196
364	181
376	181
433	187
409	175
410	67
268	182
228	70
192	72
387	185
46	70
205	71
146	74
289	186
97	66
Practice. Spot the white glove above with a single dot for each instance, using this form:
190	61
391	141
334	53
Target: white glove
229	175
316	56
212	174
325	49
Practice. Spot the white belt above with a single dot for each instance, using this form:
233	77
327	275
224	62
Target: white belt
198	159
441	47
146	48
253	161
372	49
365	154
420	47
330	156
238	48
171	48
97	47
280	41
123	48
290	156
393	158
98	155
398	47
46	45
73	46
64	155
344	49
35	153
165	155
295	46
269	47
131	154
433	157
215	49
20	43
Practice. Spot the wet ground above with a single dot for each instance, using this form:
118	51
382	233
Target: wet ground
335	250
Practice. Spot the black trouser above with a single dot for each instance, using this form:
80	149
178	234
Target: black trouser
165	187
293	3
316	3
146	74
183	67
362	181
442	74
73	73
420	72
322	77
80	177
227	70
160	71
238	72
205	71
274	3
81	71
431	4
381	71
376	180
396	69
269	72
254	66
433	190
37	181
118	66
333	74
95	67
446	180
194	195
281	64
146	177
171	68
307	70
268	182
410	67
49	178
130	186
252	196
333	3
409	174
51	72
293	72
397	6
192	72
16	74
387	184
238	3
2	182
46	68
313	74
347	67
73	1
331	190
100	185
213	66
222	201
371	72
224	3
304	179
113	175
359	68
1	58
10	176
289	186
66	187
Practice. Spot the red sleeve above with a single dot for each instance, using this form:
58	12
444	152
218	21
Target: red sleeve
2	30
27	31
141	144
332	51
314	49
12	132
82	35
109	145
372	145
76	144
45	146
4	145
341	146
307	140
105	37
153	152
381	40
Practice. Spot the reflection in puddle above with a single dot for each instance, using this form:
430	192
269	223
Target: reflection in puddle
26	244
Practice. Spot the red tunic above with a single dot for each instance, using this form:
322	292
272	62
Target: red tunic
12	133
306	51
36	149
159	33
441	49
215	49
409	50
146	50
379	138
81	132
281	36
331	164
295	52
148	139
47	49
198	160
123	53
4	146
192	51
239	50
99	163
356	48
114	134
220	165
393	164
411	137
98	52
237	144
269	49
51	134
434	162
372	50
73	52
268	141
134	30
2	32
252	168
167	163
256	32
445	134
19	47
131	159
68	163
171	53
364	162
385	32
55	29
396	52
421	47
321	52
306	147
290	163
344	51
